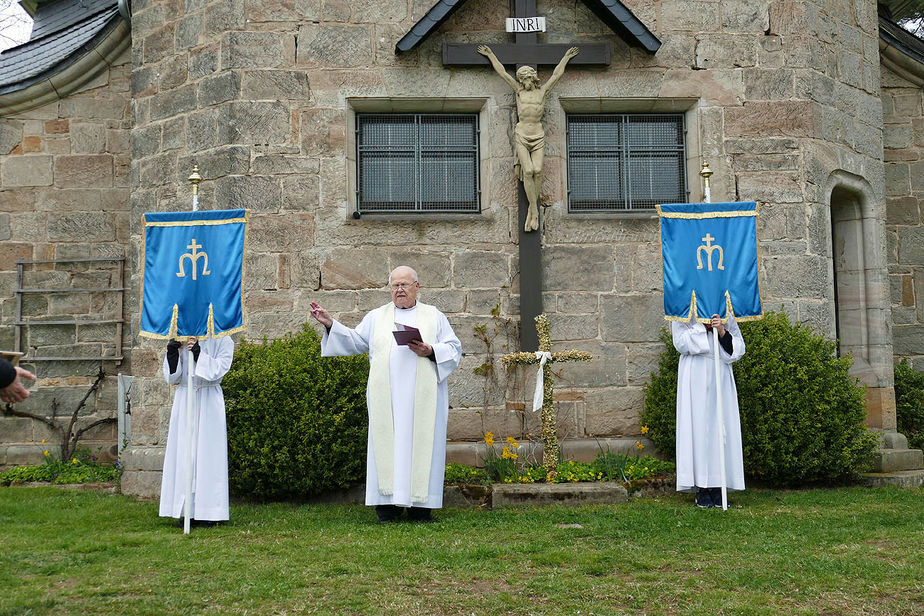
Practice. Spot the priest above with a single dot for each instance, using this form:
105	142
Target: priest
211	360
407	396
699	466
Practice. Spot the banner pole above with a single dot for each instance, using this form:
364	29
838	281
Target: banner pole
190	402
721	425
706	173
194	179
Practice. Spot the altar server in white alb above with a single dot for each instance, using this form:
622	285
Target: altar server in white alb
698	460
407	396
211	361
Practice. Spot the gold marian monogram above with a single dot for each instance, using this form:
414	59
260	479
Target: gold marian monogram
194	258
709	248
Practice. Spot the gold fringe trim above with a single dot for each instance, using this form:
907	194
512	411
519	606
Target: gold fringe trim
210	328
196	223
728	303
729	310
705	215
244	272
143	259
174	318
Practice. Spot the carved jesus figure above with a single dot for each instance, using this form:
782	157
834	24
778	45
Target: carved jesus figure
528	134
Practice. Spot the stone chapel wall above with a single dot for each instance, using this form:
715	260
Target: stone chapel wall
262	96
64	181
903	118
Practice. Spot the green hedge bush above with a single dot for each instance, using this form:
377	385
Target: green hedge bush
909	403
801	412
296	421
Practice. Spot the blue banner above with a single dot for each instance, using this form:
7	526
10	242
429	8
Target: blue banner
709	260
193	276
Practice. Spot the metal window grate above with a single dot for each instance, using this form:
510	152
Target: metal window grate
625	162
417	163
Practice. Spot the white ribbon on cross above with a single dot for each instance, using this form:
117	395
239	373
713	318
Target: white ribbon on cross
539	394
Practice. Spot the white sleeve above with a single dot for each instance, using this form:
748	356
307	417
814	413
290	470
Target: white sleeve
341	340
737	343
690	338
174	378
215	359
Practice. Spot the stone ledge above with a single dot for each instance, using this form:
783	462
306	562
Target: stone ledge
900	479
99	486
143	485
890	460
591	493
578	449
149	459
503	495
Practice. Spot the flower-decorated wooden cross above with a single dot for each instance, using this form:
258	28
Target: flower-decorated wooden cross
544	387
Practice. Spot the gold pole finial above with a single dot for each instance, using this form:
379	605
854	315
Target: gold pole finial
706	171
194	179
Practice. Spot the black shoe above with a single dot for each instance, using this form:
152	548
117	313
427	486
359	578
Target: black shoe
704	498
388	513
420	514
716	495
194	522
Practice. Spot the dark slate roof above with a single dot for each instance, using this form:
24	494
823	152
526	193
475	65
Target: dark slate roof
63	31
612	12
624	22
901	39
434	18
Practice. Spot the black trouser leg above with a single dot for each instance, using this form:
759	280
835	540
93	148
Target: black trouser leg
388	513
420	514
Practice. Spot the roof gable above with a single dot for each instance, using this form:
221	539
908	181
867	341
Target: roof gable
64	31
611	12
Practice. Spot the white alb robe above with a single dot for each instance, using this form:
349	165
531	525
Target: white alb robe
209	437
341	340
698	463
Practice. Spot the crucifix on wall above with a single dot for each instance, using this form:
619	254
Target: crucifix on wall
526	51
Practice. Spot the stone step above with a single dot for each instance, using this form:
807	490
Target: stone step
577	449
890	460
502	495
900	479
571	494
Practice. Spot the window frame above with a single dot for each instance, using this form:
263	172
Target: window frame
625	152
419	206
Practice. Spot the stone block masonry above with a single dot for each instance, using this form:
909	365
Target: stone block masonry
778	97
64	184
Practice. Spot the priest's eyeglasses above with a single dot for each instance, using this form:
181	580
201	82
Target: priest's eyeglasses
402	285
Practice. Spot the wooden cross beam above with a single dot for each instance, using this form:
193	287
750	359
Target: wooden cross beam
547	416
526	54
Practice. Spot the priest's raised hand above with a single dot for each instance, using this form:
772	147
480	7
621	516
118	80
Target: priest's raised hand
321	316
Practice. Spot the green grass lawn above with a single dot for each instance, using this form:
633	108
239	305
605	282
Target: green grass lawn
844	551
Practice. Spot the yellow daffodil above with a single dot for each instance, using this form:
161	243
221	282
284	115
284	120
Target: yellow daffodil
75	461
644	429
489	439
46	453
639	446
511	441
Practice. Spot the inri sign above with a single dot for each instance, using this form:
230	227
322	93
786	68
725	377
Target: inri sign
526	24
